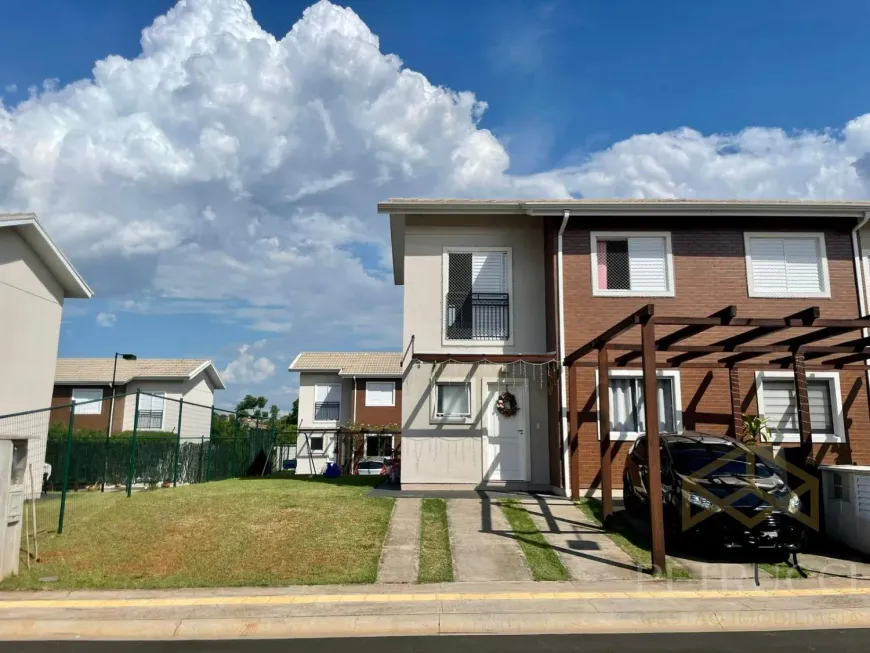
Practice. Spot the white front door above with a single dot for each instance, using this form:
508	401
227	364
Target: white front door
505	440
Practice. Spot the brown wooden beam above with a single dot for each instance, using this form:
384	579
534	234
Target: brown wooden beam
716	365
803	406
490	358
805	317
665	342
651	413
573	444
852	358
617	329
736	403
810	351
604	433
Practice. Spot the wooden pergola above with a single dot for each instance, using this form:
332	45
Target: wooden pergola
737	350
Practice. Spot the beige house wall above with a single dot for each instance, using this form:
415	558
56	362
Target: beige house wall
315	462
195	420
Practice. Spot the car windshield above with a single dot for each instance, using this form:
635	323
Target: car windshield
691	457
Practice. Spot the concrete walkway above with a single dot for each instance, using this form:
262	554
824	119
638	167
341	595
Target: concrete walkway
584	548
483	546
400	558
449	608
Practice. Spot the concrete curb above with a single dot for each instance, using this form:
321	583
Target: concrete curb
434	624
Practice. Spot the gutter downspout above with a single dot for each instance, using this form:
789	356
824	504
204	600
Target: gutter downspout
353	394
859	276
563	390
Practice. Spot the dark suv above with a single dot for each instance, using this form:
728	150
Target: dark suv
696	493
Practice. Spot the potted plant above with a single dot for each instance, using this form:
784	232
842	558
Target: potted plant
756	436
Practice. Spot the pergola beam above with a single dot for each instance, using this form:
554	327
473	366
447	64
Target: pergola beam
490	358
665	342
844	360
811	352
638	317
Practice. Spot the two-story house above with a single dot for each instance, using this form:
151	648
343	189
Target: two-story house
497	293
341	390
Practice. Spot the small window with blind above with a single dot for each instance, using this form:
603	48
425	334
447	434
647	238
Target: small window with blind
380	393
477	302
327	402
777	402
86	401
786	265
627	408
632	264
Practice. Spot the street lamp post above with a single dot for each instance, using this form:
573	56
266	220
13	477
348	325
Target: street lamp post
126	357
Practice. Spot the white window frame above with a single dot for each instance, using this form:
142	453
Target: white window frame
162	412
435	418
595	236
833	378
631	436
323	446
393	396
747	251
314	404
89	408
445	267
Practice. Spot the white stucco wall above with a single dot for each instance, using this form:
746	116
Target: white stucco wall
436	453
31	303
315	462
195	419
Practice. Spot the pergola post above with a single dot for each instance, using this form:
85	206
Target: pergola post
604	433
803	406
736	402
573	444
651	413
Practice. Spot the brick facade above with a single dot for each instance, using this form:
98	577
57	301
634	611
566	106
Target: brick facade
377	415
709	274
62	396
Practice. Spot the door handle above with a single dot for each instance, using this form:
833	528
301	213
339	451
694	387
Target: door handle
520	431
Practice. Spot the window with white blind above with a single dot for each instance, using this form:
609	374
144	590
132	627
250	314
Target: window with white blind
151	411
327	402
81	395
627	409
477	302
637	264
786	265
380	393
777	402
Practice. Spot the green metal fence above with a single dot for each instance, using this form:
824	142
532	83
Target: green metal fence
86	456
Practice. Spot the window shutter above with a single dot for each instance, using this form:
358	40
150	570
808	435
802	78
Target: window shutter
803	265
488	272
327	393
780	405
379	394
821	415
647	262
768	265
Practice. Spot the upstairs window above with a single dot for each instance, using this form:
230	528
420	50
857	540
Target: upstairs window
786	265
82	395
151	411
327	403
380	393
477	302
632	265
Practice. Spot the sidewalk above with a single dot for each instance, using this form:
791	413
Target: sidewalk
449	608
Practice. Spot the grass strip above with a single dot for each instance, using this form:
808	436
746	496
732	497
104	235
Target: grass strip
542	559
436	563
633	541
780	570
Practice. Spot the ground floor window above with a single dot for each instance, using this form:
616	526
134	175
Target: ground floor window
777	401
453	399
315	444
627	409
379	445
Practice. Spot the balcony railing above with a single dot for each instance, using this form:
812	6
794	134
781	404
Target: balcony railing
478	316
150	419
326	411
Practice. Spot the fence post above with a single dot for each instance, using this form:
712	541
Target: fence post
132	468
199	466
177	445
66	466
208	451
236	446
271	449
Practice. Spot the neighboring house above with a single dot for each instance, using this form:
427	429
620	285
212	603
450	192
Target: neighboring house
345	388
166	380
35	279
488	284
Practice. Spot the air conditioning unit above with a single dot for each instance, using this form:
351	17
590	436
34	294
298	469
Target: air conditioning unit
846	492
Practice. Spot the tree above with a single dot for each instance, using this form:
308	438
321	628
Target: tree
293	416
252	407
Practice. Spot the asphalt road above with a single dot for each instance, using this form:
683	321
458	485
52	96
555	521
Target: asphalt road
842	641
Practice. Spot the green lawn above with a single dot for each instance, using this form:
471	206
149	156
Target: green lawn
272	531
436	562
628	538
543	561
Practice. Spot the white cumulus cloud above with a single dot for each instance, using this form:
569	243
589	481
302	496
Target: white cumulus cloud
106	319
247	367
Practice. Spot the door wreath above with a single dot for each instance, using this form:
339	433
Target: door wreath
506	404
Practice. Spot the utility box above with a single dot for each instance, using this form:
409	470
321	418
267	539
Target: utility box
846	493
13	469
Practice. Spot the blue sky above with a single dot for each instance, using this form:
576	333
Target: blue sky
206	235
